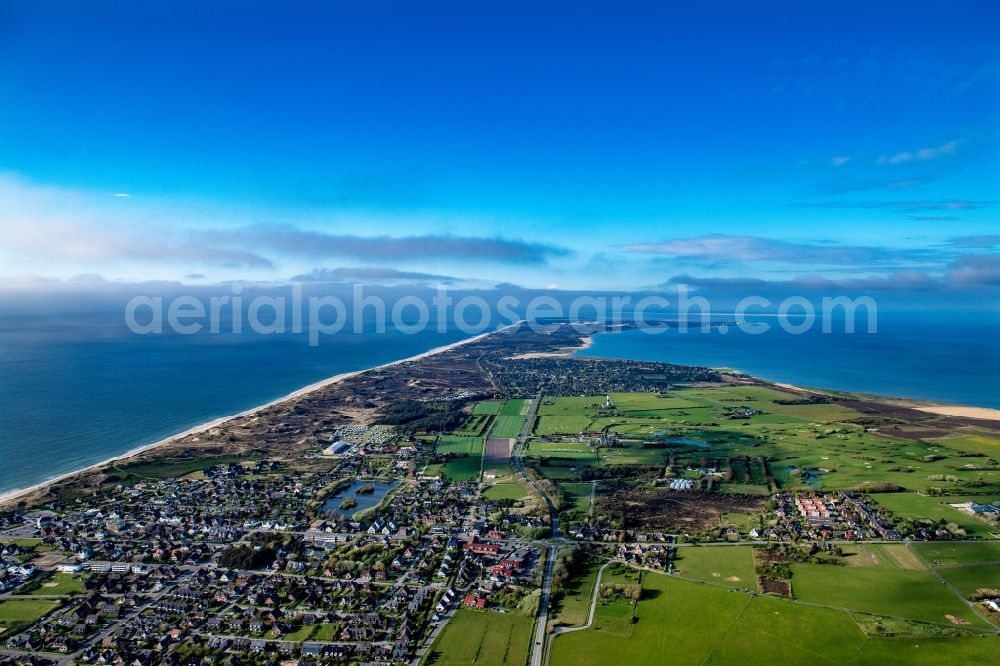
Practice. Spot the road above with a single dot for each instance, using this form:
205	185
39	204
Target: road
542	620
593	606
519	465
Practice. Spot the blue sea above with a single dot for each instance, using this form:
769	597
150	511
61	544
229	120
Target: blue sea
79	388
952	358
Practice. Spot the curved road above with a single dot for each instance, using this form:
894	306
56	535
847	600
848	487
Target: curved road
593	606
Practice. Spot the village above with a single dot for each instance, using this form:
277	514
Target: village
366	541
250	560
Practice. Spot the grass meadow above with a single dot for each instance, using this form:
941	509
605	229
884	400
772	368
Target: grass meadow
484	638
678	621
506	426
731	566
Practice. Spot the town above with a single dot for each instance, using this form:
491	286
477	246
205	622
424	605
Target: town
396	537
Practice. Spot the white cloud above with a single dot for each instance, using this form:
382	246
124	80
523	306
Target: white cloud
921	155
840	160
726	249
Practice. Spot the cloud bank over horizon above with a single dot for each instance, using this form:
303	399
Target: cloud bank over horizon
613	149
55	235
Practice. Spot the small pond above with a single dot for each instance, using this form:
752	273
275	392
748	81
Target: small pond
684	441
365	500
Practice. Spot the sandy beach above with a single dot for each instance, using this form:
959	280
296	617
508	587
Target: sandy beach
12	495
960	410
964	411
585	343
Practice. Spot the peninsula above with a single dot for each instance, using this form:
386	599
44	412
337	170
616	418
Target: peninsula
500	501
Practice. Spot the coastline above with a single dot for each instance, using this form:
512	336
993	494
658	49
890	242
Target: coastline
930	406
585	343
9	496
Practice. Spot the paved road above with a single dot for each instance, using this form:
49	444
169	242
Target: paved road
593	606
541	621
519	465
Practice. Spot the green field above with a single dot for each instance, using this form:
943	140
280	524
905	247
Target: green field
515	408
916	507
774	631
560	450
506	427
674	618
487	407
973	579
572	606
19	612
690	623
882	590
459	444
929	651
731	566
475	425
561	425
463	469
942	554
796	436
58	584
511	490
577	496
973	568
483	637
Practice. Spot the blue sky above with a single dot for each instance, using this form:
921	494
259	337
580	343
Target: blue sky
584	145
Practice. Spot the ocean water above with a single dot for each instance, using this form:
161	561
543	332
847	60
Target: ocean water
78	389
951	357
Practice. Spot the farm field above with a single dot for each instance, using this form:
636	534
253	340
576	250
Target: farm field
774	631
463	469
674	617
973	568
886	556
942	554
577	496
823	437
916	507
459	444
483	637
573	606
506	426
929	651
487	407
882	590
516	407
971	580
729	566
475	425
561	425
509	490
702	624
19	612
560	450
